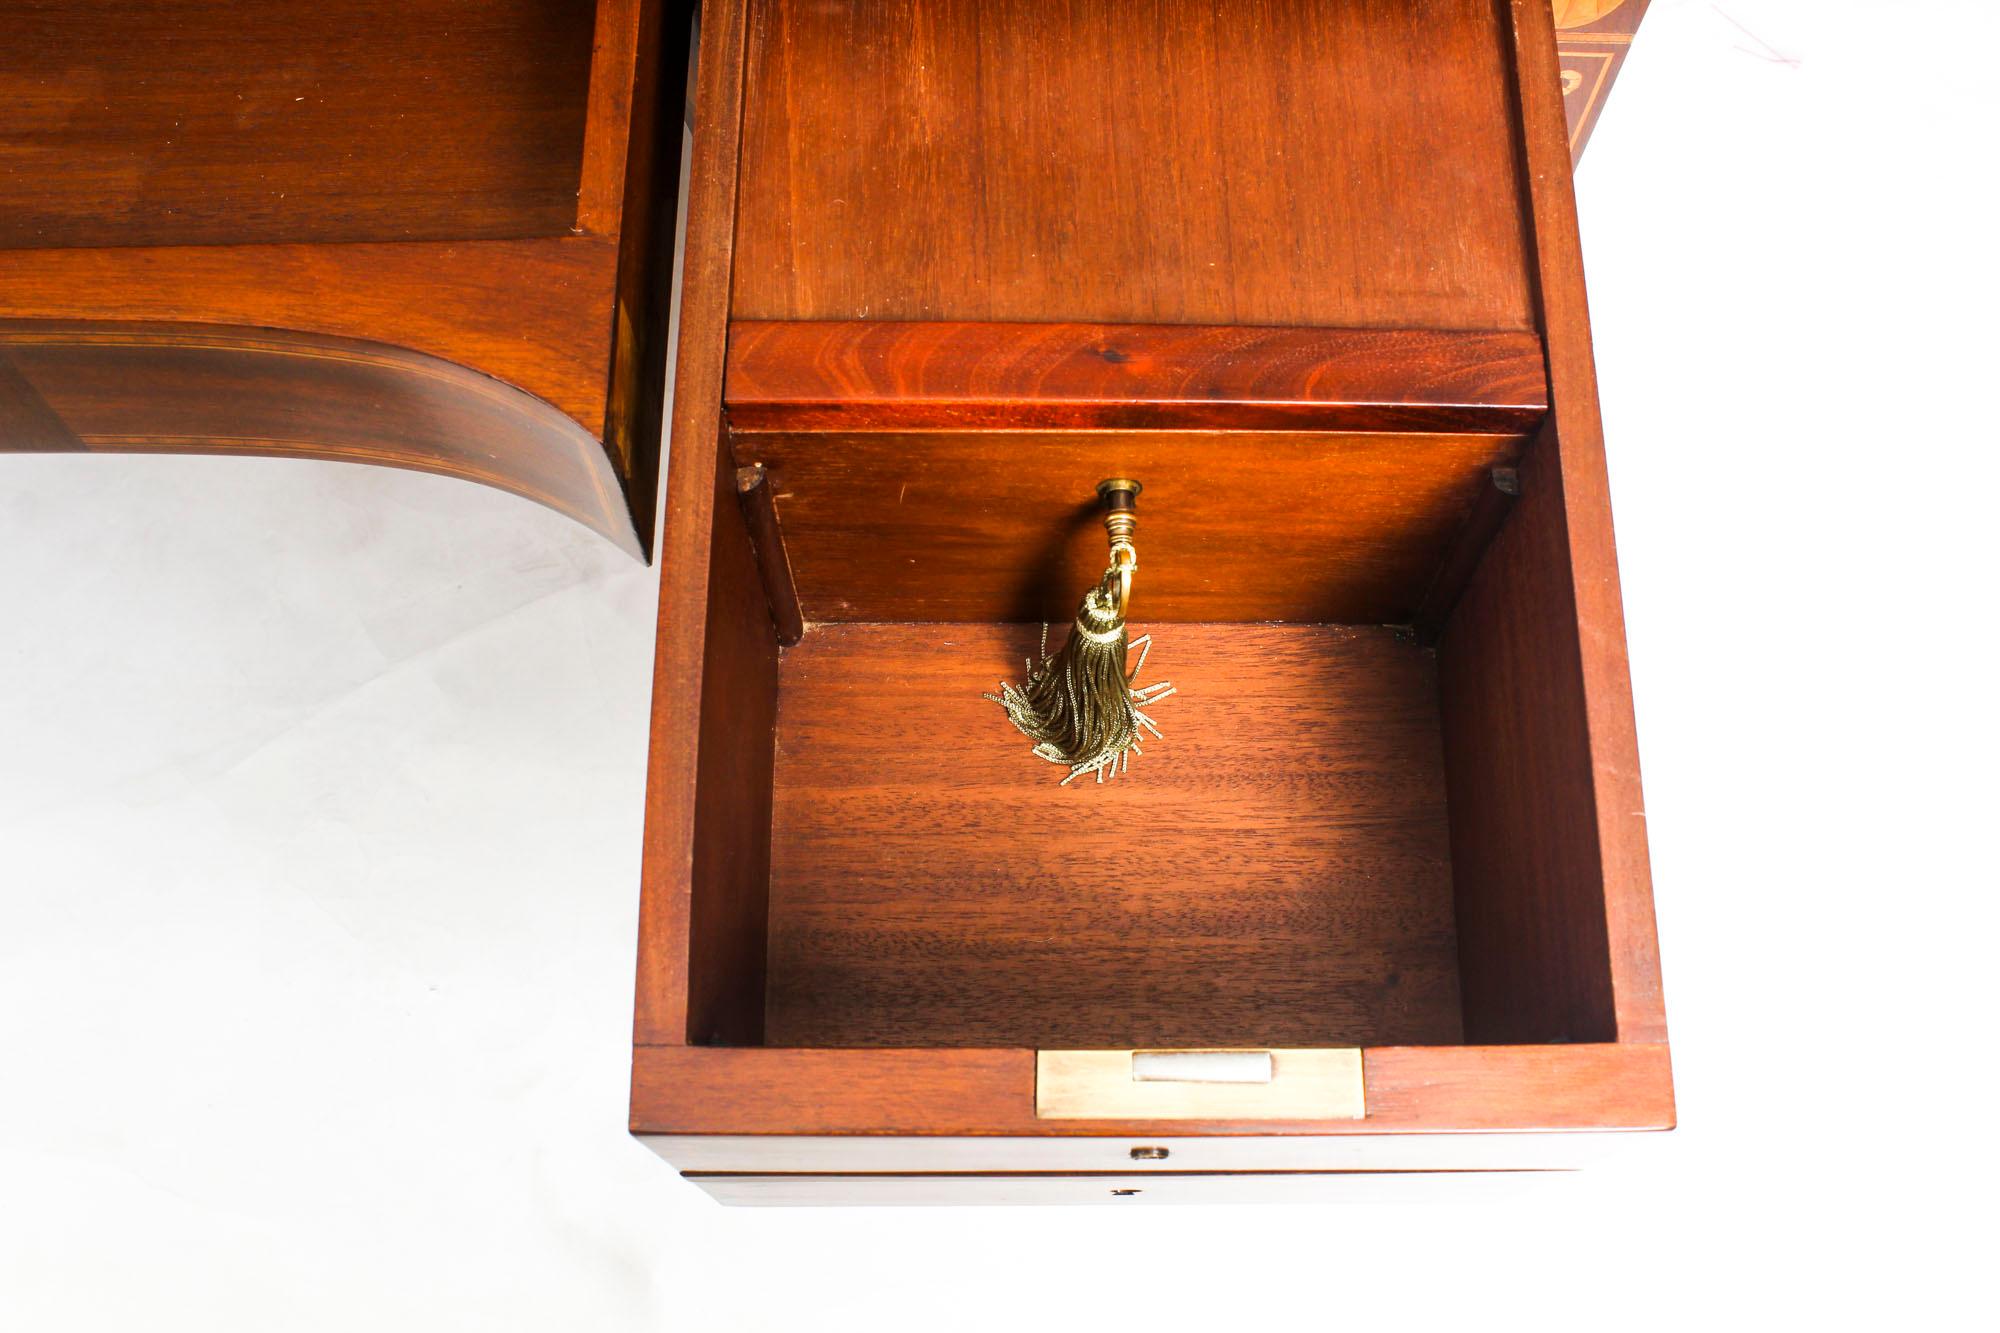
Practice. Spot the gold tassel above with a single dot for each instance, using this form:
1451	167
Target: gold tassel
1079	706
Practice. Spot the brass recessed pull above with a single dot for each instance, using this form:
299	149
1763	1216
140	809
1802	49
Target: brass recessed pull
1314	1084
1080	706
1202	1066
1150	1154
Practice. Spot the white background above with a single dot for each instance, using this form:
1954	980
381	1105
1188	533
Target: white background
320	795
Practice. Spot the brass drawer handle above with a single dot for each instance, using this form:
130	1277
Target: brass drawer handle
1202	1066
1308	1084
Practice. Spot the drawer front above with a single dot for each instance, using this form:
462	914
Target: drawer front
829	1155
779	1191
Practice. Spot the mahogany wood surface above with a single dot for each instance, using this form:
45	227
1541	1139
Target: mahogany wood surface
1530	883
1272	873
731	861
206	122
1283	162
1410	1089
458	302
1578	429
1299	526
698	486
1548	816
907	912
189	388
478	183
866	374
818	1154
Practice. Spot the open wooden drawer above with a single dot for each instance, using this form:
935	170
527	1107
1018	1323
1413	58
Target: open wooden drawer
1313	278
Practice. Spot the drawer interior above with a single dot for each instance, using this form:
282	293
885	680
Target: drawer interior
1344	837
1275	871
1328	309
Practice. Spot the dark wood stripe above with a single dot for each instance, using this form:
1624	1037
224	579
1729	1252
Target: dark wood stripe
872	375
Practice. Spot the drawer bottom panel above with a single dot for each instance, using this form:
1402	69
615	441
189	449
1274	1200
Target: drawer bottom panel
859	1155
1371	1187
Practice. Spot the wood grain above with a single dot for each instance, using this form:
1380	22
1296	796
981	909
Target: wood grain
867	374
410	176
731	864
1281	162
696	490
1273	873
456	302
1420	1089
1548	823
1574	439
934	914
638	49
1530	882
206	122
201	389
1309	527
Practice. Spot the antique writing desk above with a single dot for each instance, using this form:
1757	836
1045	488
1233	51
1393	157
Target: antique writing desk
1306	268
434	234
1309	271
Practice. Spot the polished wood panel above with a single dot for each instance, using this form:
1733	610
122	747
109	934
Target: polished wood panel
1577	428
457	302
1548	818
366	205
1272	873
1301	526
751	1090
212	123
200	389
917	899
1530	883
874	375
1281	162
1411	1089
698	485
1554	894
731	862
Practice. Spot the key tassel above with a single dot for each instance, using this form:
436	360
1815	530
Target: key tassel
1080	706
